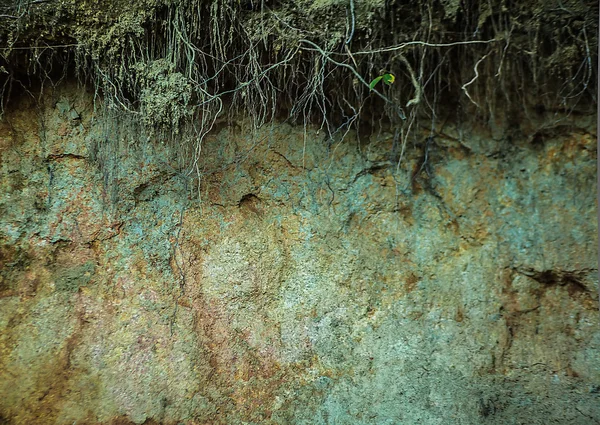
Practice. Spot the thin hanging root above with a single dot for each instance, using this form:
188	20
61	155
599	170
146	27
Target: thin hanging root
464	87
418	90
352	23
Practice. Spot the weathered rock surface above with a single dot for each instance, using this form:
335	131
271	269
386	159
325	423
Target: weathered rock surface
309	285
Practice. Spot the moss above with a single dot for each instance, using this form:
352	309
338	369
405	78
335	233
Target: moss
165	94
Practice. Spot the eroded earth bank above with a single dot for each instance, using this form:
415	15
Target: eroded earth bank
304	283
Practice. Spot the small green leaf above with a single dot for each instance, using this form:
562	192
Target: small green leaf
387	79
375	81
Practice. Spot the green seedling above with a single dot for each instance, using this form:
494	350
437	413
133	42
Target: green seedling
387	79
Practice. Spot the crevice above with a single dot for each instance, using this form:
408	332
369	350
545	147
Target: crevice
59	156
372	169
149	190
573	279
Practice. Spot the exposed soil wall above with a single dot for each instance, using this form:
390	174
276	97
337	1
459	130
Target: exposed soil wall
308	285
212	213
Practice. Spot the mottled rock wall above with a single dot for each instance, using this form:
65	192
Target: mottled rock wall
312	284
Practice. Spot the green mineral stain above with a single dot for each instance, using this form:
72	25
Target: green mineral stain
70	280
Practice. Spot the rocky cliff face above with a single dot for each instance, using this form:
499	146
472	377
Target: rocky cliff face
301	283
